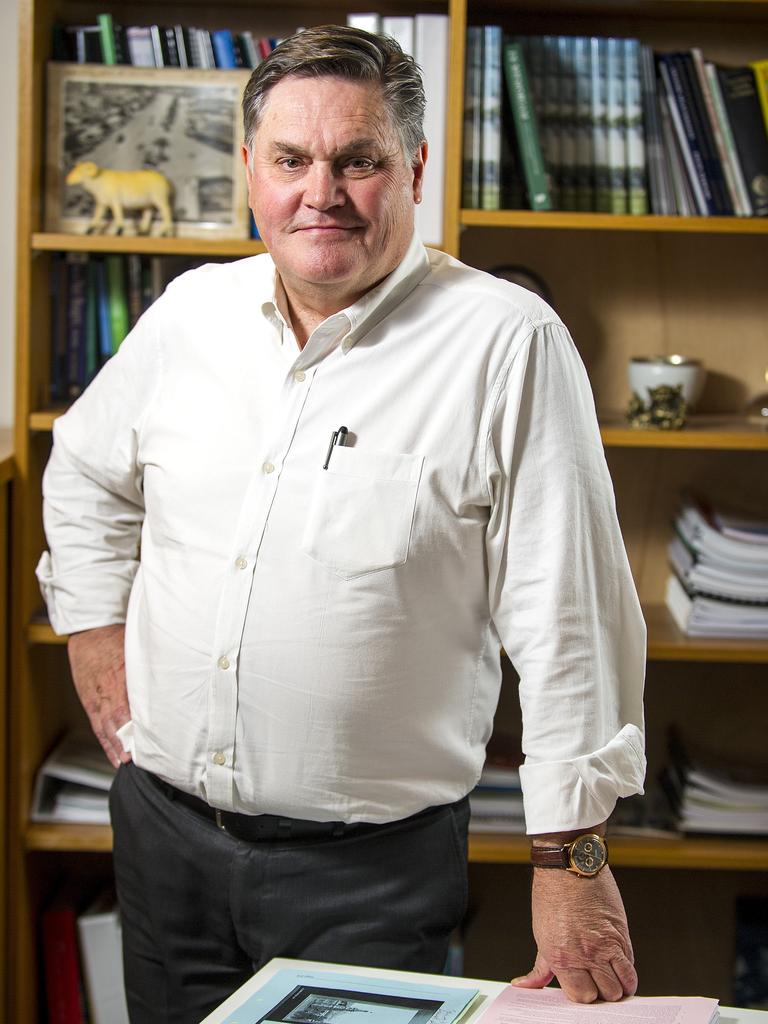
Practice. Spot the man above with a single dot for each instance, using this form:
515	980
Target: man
355	468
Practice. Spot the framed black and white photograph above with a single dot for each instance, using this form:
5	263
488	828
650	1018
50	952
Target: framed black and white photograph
182	124
314	1004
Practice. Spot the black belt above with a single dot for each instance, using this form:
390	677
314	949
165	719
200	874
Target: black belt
254	828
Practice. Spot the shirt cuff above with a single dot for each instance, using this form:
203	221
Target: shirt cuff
560	796
107	601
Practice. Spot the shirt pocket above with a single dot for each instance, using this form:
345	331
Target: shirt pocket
361	513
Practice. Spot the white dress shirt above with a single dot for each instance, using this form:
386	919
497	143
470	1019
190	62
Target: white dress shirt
324	643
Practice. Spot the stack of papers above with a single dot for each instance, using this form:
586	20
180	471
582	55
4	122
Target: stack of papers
720	582
72	784
715	798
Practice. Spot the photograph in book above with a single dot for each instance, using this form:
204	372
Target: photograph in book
184	124
307	997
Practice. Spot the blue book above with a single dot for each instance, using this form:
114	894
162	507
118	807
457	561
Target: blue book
312	995
224	48
102	309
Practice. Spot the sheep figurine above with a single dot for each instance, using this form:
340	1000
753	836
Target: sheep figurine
117	191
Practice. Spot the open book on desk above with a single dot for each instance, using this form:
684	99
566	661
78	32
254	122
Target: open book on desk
283	992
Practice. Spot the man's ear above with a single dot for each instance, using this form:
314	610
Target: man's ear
417	166
247	160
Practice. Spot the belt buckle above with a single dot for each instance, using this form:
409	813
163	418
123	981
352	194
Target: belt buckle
219	822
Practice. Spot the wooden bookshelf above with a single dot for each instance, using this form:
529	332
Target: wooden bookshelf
624	285
568	221
7	472
146	245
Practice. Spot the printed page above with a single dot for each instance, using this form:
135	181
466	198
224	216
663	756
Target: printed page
551	1006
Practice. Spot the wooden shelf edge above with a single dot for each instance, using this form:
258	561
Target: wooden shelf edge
711	854
68	838
665	641
716	433
612	222
52	242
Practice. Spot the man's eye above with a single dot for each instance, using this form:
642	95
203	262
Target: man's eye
290	163
360	164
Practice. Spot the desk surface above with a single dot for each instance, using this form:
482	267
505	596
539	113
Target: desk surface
728	1014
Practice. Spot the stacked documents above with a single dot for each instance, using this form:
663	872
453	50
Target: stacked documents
496	803
720	581
715	797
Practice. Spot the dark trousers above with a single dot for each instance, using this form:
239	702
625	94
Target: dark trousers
202	910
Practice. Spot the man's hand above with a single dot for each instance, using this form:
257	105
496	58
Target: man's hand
582	936
97	660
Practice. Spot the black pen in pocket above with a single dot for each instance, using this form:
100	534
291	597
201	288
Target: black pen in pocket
338	437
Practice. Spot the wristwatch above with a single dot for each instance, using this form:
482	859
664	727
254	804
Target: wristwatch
586	855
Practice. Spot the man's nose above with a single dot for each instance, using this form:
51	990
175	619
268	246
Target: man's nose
324	187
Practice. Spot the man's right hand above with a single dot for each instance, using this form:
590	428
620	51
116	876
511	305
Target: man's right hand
97	660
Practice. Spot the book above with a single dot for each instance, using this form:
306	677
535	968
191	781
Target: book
118	302
101	954
526	129
566	88
744	204
76	294
616	126
549	126
300	992
224	48
61	958
742	105
367	22
490	159
582	57
699	616
760	70
680	111
716	129
635	159
660	188
431	54
473	119
601	173
73	782
107	35
138	41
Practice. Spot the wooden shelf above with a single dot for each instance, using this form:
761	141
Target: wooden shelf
69	838
716	853
7	462
716	433
665	641
704	432
47	242
612	222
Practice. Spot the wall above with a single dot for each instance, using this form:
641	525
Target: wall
8	90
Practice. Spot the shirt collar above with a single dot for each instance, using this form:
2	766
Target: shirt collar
369	310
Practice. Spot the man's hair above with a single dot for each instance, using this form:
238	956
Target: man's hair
343	52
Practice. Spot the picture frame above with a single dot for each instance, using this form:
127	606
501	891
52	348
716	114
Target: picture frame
185	123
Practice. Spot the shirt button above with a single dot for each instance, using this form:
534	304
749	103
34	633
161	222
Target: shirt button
241	563
223	663
299	376
219	758
268	467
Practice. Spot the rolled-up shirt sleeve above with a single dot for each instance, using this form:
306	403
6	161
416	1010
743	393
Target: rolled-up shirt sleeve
561	591
93	505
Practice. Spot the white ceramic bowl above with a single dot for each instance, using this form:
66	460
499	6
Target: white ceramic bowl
647	372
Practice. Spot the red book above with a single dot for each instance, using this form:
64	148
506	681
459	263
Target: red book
63	986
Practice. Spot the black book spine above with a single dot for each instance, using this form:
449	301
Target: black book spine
712	166
749	133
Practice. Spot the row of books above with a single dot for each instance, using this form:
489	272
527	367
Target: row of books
82	959
607	125
95	300
159	46
719	581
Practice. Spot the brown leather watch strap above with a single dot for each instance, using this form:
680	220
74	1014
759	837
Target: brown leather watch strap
549	856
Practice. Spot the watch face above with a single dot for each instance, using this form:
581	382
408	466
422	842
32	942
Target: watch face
588	854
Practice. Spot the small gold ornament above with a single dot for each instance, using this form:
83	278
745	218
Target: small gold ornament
665	411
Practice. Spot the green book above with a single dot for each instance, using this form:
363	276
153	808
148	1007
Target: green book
526	129
117	299
107	35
